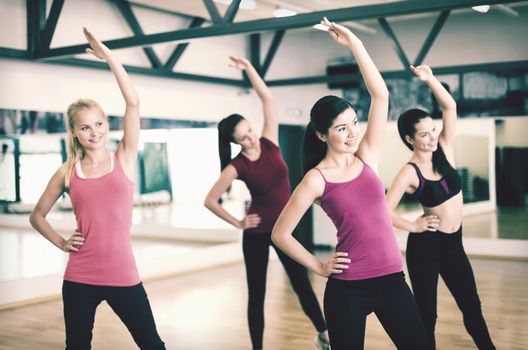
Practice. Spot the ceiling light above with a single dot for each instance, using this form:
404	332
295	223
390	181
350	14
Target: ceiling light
281	12
244	4
481	8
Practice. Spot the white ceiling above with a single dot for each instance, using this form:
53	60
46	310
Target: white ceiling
263	8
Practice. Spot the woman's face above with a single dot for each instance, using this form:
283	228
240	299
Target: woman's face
90	128
245	136
426	137
343	134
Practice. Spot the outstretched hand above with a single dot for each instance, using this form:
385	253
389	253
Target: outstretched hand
423	72
98	49
340	34
239	62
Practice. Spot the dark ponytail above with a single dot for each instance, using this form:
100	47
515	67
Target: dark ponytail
322	115
226	128
407	127
314	149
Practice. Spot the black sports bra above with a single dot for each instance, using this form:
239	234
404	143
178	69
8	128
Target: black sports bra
431	193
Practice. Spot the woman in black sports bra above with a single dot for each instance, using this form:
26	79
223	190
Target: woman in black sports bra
434	244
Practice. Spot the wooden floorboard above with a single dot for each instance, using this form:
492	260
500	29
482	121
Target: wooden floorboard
207	310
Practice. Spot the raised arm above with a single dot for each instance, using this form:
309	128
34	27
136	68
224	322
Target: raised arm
47	200
127	149
446	102
211	202
270	130
406	181
371	144
310	188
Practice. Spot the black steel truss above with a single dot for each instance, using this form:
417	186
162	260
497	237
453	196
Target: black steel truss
40	33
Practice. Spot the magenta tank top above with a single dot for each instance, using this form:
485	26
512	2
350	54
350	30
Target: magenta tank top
267	181
364	227
103	211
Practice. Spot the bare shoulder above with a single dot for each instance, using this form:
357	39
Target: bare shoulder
407	178
60	174
230	172
407	172
58	180
314	182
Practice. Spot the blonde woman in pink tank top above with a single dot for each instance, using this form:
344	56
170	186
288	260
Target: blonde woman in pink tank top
365	274
101	264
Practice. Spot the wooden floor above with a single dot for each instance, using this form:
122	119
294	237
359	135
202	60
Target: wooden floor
206	310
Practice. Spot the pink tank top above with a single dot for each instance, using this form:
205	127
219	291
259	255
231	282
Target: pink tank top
364	226
103	211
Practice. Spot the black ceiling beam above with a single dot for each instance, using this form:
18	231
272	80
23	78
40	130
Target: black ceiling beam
254	50
13	53
435	30
231	12
126	11
147	71
35	23
395	42
51	24
275	42
178	51
254	55
213	11
273	24
518	66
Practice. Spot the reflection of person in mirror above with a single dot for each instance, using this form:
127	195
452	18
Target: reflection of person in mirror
261	166
365	274
101	264
434	245
8	121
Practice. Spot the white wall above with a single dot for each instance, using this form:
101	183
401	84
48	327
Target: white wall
512	132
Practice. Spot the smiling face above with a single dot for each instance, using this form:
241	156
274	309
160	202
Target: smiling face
245	136
90	128
425	138
343	134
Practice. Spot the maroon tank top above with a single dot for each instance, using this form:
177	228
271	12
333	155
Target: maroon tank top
268	183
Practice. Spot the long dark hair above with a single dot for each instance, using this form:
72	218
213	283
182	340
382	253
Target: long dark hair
407	127
226	128
322	115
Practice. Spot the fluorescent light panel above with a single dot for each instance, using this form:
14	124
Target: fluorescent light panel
244	4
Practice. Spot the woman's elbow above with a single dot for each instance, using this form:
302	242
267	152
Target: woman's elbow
275	237
33	218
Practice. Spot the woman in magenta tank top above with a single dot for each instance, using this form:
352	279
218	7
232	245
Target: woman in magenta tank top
101	265
365	274
434	244
261	166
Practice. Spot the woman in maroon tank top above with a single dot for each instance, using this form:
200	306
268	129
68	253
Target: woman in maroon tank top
260	165
365	273
86	175
434	244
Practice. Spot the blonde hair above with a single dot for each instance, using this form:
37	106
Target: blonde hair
74	149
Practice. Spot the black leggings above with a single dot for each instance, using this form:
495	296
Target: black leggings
430	254
256	253
129	303
347	304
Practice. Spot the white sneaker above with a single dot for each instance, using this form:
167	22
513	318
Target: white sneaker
321	343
